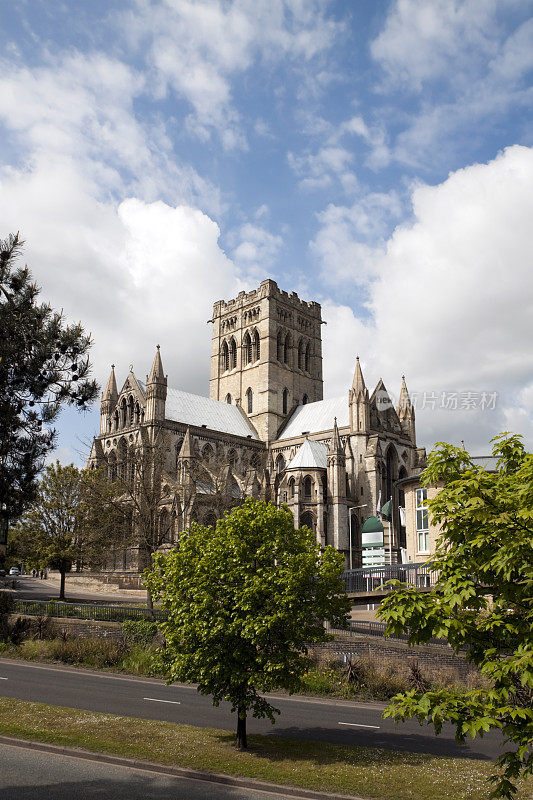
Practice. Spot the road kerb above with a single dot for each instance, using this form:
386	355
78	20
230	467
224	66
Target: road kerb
177	772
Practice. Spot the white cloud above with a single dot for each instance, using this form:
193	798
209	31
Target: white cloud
423	41
451	300
348	235
255	250
468	62
198	47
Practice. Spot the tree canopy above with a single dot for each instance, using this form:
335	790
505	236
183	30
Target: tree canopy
244	599
483	600
43	364
62	526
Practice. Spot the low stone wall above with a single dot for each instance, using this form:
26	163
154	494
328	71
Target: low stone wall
83	628
436	657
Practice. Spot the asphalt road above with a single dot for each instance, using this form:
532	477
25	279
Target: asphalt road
27	774
301	718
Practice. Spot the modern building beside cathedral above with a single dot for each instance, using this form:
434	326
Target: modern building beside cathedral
266	431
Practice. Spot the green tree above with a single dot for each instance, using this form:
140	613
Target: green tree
244	600
62	526
483	601
43	364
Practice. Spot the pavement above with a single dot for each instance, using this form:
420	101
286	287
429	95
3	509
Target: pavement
314	719
76	590
33	771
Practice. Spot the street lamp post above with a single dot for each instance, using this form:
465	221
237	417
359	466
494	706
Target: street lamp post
353	508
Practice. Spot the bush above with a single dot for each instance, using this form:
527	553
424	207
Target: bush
11	632
139	631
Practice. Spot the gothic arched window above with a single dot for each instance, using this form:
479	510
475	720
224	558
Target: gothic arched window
249	400
123	412
301	360
280	345
308	488
131	410
256	346
307	519
247	349
232	354
292	484
287	348
224	357
232	458
228	399
137	413
304	400
307	357
280	464
285	400
255	461
207	453
115	418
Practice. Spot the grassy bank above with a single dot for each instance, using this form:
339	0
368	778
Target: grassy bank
369	678
367	772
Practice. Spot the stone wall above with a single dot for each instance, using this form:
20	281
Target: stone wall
435	657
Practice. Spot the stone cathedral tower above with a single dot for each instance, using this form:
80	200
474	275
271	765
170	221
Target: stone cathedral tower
267	355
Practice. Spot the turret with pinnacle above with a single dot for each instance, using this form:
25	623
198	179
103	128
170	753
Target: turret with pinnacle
156	391
109	402
359	402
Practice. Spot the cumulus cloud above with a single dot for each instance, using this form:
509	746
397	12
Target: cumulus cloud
451	302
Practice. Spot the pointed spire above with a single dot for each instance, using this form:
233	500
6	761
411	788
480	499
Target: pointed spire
358	384
336	443
404	402
156	373
111	392
186	448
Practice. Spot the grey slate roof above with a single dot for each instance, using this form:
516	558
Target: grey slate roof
193	409
310	455
319	416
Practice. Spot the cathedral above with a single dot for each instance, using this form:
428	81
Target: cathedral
266	431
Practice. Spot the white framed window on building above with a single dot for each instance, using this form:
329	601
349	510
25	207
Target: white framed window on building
422	520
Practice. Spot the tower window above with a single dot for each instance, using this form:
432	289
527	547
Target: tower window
228	399
232	354
287	348
301	358
280	345
307	357
305	400
247	349
256	346
249	400
224	357
285	400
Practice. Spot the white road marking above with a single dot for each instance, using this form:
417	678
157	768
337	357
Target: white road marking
157	700
359	725
3	679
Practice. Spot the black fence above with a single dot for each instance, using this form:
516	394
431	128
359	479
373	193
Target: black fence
373	579
36	608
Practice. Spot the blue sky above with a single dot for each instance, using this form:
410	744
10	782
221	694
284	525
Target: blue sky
374	156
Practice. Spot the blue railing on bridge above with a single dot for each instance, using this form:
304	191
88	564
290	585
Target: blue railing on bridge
372	579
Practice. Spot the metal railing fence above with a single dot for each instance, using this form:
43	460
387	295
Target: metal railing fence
371	579
87	611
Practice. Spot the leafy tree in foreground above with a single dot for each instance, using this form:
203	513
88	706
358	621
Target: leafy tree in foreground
483	600
61	527
43	364
243	601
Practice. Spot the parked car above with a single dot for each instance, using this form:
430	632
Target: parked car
14	571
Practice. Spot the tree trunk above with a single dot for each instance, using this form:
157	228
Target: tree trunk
242	742
62	585
150	604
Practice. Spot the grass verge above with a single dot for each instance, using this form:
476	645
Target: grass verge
363	771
